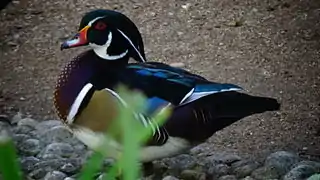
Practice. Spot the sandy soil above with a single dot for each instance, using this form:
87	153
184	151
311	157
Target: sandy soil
271	48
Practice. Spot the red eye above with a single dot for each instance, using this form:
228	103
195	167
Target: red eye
100	26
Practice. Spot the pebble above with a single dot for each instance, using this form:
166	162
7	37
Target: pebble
170	178
265	172
219	170
27	122
47	150
28	163
192	175
223	158
30	147
60	149
244	168
228	177
55	175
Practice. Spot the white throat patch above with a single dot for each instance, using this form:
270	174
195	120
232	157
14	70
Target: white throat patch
102	51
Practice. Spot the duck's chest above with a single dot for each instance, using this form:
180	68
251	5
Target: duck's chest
75	75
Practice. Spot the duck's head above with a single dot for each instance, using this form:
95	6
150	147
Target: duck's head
110	34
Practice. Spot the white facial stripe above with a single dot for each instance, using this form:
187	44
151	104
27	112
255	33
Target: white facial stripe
94	20
143	60
101	51
76	104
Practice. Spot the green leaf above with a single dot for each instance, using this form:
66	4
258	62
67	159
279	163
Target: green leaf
9	166
92	166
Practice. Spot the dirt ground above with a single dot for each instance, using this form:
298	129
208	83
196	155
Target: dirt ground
270	48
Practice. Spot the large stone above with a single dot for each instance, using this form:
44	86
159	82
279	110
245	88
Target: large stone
282	161
300	172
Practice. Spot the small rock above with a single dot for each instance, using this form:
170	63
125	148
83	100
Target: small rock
300	172
60	149
244	168
183	161
228	177
219	170
45	125
69	178
314	164
236	23
55	175
48	156
69	168
5	119
223	158
28	163
192	175
19	138
186	6
282	161
16	118
58	134
55	164
170	178
265	172
177	64
248	178
30	147
101	177
22	129
38	173
27	122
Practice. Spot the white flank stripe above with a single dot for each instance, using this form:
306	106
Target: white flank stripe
198	95
76	104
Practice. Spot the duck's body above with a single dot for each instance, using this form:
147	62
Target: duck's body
85	98
201	107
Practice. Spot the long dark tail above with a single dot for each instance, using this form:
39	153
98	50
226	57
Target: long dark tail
233	106
201	119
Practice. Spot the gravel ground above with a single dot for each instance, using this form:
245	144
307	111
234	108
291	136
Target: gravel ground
48	151
271	48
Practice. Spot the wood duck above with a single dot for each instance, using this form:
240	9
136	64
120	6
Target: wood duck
86	101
